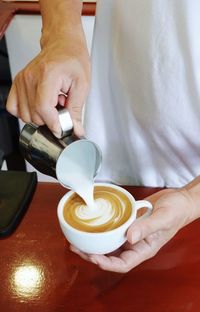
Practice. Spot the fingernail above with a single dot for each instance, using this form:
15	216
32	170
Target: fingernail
57	134
72	248
136	236
93	260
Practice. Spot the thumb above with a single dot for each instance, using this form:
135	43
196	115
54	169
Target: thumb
140	229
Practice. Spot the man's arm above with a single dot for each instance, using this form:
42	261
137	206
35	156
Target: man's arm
60	18
62	66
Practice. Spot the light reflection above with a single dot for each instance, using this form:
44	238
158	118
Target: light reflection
28	280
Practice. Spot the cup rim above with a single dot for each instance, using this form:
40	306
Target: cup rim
62	201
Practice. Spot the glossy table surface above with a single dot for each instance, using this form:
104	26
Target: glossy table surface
38	272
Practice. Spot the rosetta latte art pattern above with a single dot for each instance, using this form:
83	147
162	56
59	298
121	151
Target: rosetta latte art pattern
111	209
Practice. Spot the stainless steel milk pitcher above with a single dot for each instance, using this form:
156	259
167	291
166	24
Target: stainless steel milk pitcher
42	149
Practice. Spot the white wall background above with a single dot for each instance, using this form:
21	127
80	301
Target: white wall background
23	37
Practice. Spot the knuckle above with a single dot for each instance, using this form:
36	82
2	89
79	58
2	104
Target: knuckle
76	110
18	78
35	113
10	108
153	250
52	124
37	120
25	118
145	230
45	68
27	74
125	269
171	219
152	253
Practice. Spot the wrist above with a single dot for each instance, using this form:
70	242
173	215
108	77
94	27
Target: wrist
60	19
60	36
193	201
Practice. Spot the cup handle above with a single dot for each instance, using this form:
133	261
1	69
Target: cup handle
144	204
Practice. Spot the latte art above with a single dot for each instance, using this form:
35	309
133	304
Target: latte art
111	209
100	213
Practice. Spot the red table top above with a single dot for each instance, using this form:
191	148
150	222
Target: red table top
38	272
8	10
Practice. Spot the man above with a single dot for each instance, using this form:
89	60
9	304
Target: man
143	108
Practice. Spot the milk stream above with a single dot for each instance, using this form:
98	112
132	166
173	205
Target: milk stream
76	168
81	181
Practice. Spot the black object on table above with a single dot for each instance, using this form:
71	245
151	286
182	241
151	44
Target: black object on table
16	192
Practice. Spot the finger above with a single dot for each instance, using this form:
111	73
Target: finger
128	259
62	100
110	263
50	117
75	101
80	253
36	119
160	219
46	102
23	105
12	101
31	95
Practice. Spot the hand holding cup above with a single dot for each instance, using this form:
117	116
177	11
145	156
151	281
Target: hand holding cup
104	230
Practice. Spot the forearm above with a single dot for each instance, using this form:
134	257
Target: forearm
60	19
192	190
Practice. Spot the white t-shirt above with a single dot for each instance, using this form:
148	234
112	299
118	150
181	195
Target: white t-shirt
144	106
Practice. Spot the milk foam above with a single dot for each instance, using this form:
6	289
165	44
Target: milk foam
101	213
111	209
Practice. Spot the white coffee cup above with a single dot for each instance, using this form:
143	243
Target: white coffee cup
102	242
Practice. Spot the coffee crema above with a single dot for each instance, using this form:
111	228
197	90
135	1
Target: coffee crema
111	209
